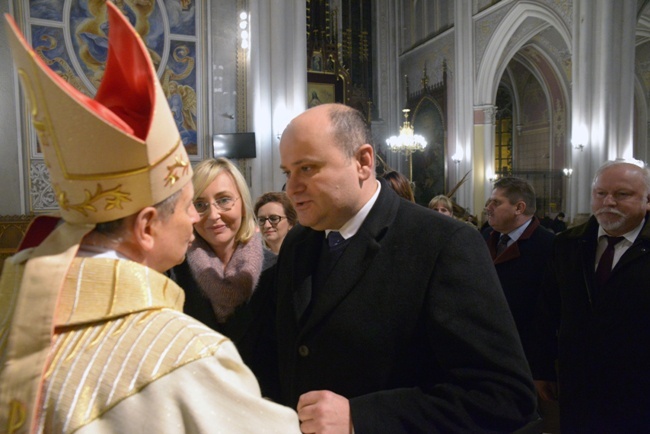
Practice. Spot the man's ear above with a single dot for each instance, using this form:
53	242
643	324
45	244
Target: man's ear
365	156
520	208
144	228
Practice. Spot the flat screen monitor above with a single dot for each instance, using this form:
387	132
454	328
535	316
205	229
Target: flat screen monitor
234	145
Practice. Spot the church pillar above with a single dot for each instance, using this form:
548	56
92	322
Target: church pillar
461	151
277	83
602	92
483	155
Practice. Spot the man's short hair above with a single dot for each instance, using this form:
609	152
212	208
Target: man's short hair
516	189
351	128
165	210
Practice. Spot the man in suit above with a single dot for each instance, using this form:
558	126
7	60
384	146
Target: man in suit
387	330
596	305
520	248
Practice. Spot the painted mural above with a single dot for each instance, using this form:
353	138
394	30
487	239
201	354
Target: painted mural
429	165
71	37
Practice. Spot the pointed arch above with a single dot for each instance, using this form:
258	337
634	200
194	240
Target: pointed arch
496	58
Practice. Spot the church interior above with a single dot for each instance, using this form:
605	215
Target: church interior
546	90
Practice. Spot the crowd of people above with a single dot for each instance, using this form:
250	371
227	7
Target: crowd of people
337	306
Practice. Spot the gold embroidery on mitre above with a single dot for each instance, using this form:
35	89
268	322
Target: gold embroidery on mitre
172	175
113	197
17	416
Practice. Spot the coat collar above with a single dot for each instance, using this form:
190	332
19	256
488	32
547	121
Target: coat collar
512	252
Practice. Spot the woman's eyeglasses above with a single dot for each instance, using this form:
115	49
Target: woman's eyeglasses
221	204
273	219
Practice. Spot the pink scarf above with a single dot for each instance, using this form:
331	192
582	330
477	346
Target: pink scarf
229	288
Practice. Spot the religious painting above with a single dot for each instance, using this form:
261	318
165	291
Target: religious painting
71	37
429	165
323	88
316	61
320	93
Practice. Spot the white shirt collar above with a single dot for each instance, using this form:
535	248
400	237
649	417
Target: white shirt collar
86	251
350	228
514	235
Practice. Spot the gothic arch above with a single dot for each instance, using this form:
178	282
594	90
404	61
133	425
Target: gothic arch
496	58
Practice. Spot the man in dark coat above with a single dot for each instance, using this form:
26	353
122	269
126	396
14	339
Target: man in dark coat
400	327
597	303
558	225
522	258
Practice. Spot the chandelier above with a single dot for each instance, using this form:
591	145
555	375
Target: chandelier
407	142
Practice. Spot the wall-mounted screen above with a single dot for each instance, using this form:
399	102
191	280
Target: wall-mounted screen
234	145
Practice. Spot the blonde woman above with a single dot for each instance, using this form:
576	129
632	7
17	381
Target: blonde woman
443	205
224	263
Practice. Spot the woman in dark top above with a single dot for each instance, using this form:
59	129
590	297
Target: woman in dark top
223	275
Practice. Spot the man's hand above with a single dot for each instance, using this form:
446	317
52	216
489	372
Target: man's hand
324	412
547	390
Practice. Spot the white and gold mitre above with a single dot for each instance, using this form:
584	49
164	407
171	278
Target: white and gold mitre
113	155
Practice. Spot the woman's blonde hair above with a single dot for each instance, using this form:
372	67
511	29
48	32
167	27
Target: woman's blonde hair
207	170
444	200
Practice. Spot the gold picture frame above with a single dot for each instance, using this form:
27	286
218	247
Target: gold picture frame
323	88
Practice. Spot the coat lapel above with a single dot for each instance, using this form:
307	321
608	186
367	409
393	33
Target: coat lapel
345	275
512	252
357	257
640	247
587	239
307	254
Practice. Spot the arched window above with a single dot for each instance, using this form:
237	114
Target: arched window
503	133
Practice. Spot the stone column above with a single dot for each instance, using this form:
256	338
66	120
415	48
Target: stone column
602	92
483	155
463	84
277	89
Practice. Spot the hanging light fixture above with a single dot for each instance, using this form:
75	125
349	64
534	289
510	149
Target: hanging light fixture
407	142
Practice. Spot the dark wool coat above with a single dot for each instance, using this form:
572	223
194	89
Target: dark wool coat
411	326
603	348
521	269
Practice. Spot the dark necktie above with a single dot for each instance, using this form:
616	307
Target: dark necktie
502	244
604	268
337	245
334	239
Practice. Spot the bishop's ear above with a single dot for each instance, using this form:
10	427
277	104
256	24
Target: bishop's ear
145	226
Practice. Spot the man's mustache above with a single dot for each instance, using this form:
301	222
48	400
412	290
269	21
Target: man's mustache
609	210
